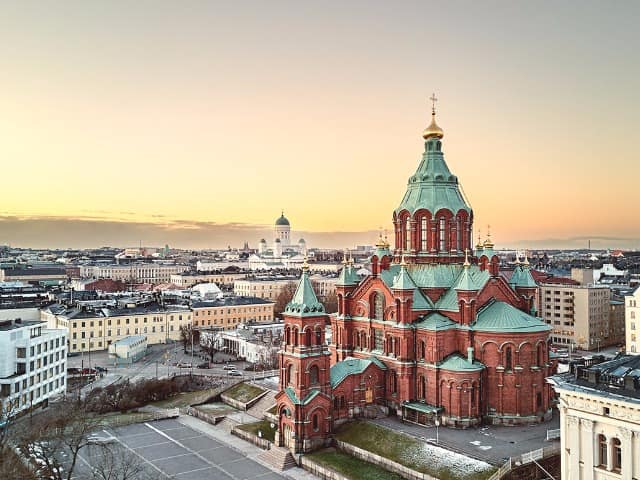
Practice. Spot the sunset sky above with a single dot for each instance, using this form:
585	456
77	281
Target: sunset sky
194	123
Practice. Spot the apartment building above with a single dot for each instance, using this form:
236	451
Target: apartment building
32	364
229	312
134	272
95	328
632	322
578	314
268	287
189	279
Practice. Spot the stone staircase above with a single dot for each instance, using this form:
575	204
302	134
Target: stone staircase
264	404
278	458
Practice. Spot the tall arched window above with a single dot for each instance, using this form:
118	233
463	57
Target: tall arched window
318	337
407	235
393	382
508	360
602	451
313	375
423	234
289	374
307	337
459	234
378	306
617	454
295	337
423	349
423	387
442	234
316	425
540	359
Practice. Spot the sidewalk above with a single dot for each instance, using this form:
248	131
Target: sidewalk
247	449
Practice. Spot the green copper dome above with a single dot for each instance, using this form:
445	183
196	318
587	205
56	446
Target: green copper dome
282	221
433	186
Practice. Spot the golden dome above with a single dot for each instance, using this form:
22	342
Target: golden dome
432	130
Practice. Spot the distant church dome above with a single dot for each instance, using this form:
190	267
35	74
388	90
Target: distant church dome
263	241
277	240
282	221
301	241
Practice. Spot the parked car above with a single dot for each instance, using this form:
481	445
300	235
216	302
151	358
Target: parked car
229	367
73	354
204	365
101	369
235	373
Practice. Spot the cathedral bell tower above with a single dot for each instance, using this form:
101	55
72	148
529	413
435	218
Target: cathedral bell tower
304	401
433	223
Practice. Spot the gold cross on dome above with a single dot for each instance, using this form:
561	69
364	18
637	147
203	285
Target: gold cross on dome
433	102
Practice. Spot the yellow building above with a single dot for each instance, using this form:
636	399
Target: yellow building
268	288
93	329
228	313
189	279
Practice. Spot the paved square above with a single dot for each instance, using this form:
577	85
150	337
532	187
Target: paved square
170	449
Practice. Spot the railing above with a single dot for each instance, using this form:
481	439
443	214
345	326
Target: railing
525	458
553	434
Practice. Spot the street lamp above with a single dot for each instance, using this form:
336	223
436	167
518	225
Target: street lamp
437	422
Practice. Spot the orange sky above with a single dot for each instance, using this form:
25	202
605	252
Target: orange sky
225	114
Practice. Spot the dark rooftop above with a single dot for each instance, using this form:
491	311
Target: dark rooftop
231	301
6	325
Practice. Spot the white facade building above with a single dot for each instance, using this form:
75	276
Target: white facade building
32	364
632	322
128	349
134	272
600	421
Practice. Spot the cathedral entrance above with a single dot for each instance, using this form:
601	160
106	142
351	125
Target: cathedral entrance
368	396
287	437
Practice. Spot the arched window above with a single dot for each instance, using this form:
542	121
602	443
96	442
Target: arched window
459	234
602	451
316	425
617	454
313	375
443	235
423	234
318	337
407	235
508	360
423	349
423	387
540	359
393	382
336	403
378	306
307	337
633	315
289	374
295	337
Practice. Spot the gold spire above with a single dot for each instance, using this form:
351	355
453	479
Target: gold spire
433	130
402	262
479	244
350	258
526	259
466	263
305	265
380	243
488	243
344	257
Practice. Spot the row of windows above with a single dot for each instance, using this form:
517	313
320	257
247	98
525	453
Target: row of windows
127	320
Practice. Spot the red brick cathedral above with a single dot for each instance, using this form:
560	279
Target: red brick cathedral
434	333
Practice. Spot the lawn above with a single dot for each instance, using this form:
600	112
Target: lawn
264	426
215	408
117	419
243	392
351	467
417	455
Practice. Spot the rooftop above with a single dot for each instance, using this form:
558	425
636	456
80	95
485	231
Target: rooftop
232	301
7	325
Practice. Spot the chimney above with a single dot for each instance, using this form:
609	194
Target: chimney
594	376
630	383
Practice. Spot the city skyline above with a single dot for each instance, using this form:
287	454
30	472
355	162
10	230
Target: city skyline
195	125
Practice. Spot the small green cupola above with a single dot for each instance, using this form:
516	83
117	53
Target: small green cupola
348	275
304	302
403	281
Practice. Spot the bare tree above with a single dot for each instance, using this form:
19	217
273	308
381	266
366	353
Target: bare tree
210	345
284	297
189	336
113	462
53	443
331	302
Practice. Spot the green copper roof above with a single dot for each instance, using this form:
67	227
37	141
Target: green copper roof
421	301
436	321
348	276
403	280
422	407
502	317
304	301
458	363
350	366
282	220
522	277
291	393
433	186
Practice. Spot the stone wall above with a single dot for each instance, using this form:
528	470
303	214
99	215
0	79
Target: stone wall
250	437
320	471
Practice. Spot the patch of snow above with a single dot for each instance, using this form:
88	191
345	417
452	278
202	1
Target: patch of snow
475	442
439	458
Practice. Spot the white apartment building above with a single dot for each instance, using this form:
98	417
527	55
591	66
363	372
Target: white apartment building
134	272
188	279
32	364
600	421
632	322
128	349
579	315
268	288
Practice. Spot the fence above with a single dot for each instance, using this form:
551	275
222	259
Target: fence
525	458
553	434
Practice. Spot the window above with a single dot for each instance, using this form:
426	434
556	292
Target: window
508	360
617	454
602	450
313	375
442	234
407	235
315	423
423	234
378	339
378	306
393	382
289	373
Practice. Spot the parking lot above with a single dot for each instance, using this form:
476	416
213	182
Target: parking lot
170	450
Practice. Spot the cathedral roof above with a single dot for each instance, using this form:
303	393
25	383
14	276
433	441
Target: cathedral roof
458	363
291	393
436	321
433	186
304	301
522	277
282	220
348	276
350	366
403	280
502	317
